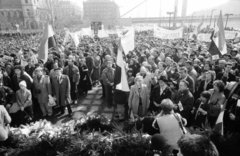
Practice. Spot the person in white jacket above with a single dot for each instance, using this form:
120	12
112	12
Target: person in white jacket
5	119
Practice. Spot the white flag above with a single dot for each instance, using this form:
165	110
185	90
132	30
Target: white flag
127	41
75	38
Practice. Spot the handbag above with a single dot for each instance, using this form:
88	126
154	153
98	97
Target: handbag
180	124
51	102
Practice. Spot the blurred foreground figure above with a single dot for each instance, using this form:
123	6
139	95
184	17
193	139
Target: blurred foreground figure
197	145
4	120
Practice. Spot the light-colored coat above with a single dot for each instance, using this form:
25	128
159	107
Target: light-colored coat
133	100
45	86
24	99
62	90
4	119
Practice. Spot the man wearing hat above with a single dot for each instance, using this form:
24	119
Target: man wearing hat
61	89
160	92
42	89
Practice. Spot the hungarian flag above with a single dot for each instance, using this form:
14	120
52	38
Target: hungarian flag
120	80
47	42
218	45
219	124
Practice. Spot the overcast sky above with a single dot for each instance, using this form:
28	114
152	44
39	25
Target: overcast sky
151	8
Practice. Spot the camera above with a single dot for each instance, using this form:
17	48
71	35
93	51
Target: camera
38	91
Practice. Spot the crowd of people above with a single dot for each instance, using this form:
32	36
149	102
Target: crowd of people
177	80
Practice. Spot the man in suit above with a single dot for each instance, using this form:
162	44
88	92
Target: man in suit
226	75
24	100
72	72
184	100
61	91
42	90
184	76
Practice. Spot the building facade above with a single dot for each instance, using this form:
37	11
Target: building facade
105	11
66	11
28	14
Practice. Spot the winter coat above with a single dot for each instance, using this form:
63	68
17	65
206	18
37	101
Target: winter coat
45	88
62	90
133	100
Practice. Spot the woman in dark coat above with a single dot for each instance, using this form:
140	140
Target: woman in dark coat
85	83
200	109
160	92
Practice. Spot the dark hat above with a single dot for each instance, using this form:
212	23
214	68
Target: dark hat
175	84
130	70
163	78
189	62
227	55
58	69
18	67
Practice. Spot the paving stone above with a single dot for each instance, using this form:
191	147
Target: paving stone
82	108
87	102
97	102
94	108
91	96
99	91
98	97
92	92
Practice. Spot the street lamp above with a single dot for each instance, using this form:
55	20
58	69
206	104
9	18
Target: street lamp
211	17
170	13
227	19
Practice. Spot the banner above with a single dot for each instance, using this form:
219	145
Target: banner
168	34
229	35
87	32
204	37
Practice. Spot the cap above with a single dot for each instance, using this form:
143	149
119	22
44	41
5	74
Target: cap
58	69
23	83
18	67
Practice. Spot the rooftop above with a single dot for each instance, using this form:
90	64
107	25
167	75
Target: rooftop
10	4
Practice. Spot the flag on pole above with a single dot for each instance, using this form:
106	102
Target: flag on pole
120	80
219	123
47	42
218	45
127	41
